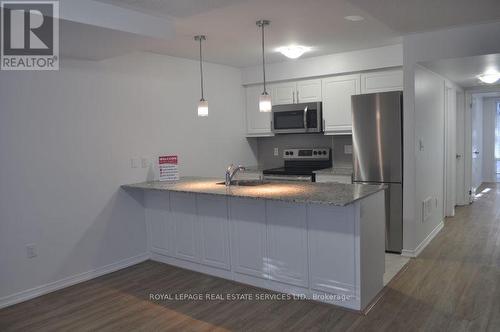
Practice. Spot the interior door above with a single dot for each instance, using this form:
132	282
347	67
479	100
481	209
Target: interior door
477	140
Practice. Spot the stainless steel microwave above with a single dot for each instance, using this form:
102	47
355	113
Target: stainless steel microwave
297	118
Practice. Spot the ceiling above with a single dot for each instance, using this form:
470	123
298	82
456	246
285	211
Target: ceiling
233	38
464	71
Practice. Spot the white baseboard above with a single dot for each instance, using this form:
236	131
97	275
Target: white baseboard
415	252
71	280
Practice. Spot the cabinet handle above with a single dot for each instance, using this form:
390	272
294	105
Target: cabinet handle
297	96
293	96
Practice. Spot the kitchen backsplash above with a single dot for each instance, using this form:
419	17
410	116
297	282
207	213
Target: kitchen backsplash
266	146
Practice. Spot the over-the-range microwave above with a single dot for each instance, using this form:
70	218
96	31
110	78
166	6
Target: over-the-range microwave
297	118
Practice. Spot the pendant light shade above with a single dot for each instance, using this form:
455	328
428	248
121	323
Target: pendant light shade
202	104
265	102
203	108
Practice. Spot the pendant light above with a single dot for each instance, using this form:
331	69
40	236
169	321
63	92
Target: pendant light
265	104
202	104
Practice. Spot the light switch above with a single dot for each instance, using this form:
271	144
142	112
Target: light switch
276	152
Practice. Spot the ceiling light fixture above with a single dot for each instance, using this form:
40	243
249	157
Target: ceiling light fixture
490	76
293	51
202	104
354	18
265	104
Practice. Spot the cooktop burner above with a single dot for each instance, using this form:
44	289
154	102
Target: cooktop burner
303	162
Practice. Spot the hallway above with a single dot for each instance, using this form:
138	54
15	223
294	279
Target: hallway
454	285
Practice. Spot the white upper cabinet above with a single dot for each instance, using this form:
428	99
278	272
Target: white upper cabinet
336	93
258	123
382	81
308	91
283	93
305	91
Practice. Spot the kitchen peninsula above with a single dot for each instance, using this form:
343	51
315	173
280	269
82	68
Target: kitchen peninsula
324	241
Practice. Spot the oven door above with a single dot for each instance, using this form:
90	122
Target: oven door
297	118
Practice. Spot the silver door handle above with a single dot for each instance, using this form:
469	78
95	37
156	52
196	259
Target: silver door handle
458	156
476	152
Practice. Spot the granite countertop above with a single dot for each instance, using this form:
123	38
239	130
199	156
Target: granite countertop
300	192
337	169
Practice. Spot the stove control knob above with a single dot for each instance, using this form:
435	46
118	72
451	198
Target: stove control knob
315	153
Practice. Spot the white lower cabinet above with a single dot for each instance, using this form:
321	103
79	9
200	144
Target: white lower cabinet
183	210
248	236
214	229
159	223
287	242
332	250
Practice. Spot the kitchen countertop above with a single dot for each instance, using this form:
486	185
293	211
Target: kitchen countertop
339	169
299	192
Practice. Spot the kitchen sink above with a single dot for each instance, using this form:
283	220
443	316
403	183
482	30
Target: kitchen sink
246	183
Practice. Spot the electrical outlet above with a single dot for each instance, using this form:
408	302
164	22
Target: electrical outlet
348	149
31	250
134	163
276	152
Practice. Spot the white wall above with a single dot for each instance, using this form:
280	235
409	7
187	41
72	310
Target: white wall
477	141
489	126
66	139
430	131
333	64
422	47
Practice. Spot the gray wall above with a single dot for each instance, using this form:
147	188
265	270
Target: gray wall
266	147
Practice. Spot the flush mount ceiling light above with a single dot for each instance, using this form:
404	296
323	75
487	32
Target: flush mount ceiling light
490	76
265	104
354	18
293	51
202	104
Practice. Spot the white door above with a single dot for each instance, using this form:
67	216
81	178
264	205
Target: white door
258	123
460	189
183	208
248	236
213	219
283	93
308	91
337	112
450	151
477	142
287	242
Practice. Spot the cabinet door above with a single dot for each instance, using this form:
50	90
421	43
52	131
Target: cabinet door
287	242
283	93
212	216
336	93
183	209
332	230
159	223
382	81
258	123
308	91
248	236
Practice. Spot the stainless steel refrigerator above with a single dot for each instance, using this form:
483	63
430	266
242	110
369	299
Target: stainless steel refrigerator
377	137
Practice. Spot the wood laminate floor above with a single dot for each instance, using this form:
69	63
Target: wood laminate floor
454	285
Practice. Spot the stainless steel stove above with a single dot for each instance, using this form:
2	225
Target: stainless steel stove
300	164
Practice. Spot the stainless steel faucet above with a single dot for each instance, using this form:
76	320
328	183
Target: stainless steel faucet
231	172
